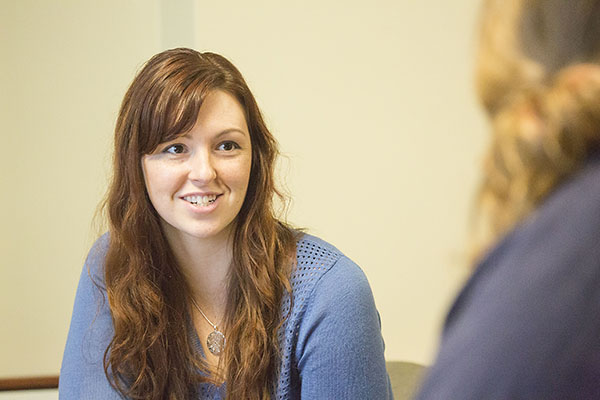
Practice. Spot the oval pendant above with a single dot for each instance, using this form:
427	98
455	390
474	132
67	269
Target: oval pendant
215	342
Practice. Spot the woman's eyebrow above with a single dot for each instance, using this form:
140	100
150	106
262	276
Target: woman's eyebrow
224	132
231	130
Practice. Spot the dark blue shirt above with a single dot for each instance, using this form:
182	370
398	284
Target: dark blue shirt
527	323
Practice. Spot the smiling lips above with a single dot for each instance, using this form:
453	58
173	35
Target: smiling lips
201	201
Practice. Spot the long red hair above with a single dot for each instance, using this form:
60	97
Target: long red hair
151	355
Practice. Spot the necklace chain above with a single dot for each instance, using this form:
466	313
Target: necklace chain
215	342
204	315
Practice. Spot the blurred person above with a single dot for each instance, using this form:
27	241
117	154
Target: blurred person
527	323
199	290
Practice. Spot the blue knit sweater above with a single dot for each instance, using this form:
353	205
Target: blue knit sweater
331	344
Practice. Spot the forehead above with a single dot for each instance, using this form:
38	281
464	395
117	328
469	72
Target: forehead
211	111
220	109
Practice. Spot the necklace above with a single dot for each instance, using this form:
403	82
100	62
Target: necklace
215	342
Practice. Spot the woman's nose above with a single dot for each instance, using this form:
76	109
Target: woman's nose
202	170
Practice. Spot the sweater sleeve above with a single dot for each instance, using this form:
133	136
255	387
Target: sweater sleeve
340	350
82	371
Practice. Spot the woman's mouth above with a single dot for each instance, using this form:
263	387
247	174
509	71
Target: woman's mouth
201	201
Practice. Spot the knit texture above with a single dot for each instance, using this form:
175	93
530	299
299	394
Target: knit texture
331	344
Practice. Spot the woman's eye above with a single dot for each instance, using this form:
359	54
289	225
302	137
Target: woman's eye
175	149
228	146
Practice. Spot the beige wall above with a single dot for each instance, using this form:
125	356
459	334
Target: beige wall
65	66
372	105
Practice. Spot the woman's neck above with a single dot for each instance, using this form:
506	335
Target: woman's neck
205	264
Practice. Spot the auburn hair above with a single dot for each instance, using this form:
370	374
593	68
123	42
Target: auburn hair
538	78
151	354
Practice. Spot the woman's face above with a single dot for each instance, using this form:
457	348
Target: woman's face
198	181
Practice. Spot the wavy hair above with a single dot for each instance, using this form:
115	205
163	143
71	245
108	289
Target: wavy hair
538	78
151	355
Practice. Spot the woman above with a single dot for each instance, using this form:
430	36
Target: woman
198	290
527	324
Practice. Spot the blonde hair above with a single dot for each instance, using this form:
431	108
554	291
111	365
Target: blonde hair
538	78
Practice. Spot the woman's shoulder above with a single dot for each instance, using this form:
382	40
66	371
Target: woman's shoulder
315	258
94	263
531	295
100	246
574	201
313	250
565	226
555	248
331	298
323	270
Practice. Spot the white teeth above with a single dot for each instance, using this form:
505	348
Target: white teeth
201	201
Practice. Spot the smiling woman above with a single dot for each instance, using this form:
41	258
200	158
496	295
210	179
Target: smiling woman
198	290
198	181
